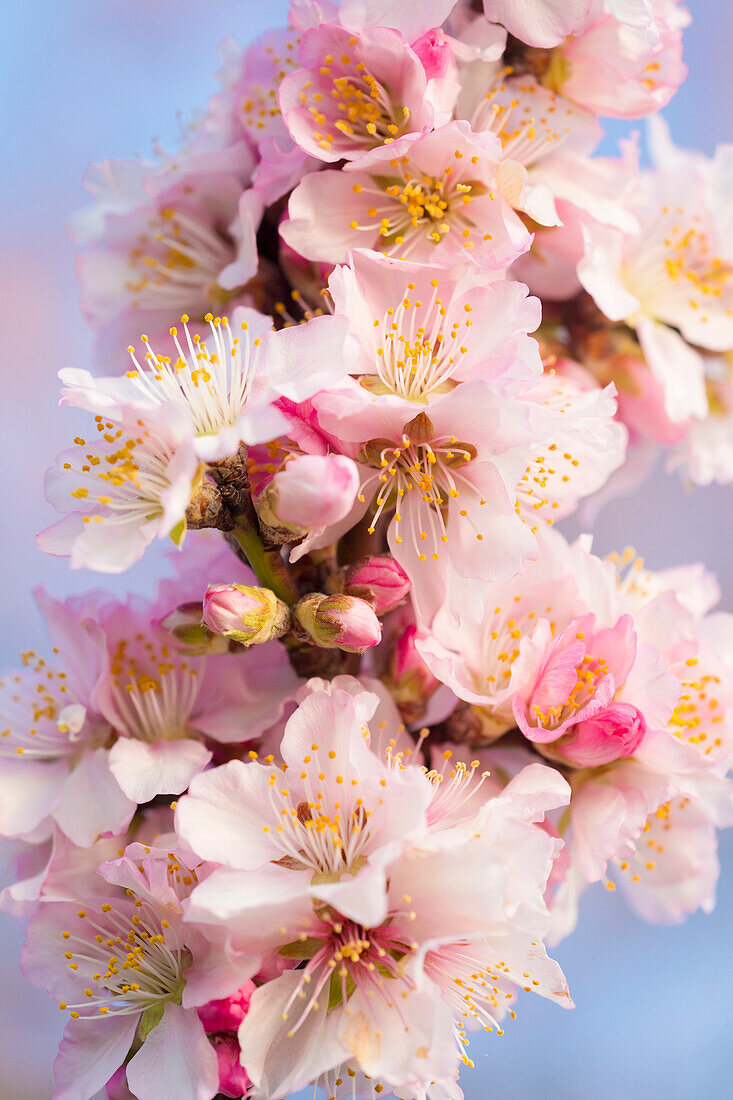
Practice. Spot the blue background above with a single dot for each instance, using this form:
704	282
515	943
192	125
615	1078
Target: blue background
83	79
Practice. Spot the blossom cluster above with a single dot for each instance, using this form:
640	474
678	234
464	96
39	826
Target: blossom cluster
313	814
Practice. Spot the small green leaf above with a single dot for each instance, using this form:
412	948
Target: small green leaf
301	949
150	1018
178	532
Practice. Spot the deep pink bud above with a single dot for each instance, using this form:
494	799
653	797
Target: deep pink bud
409	678
227	1013
382	581
116	1088
434	53
310	491
614	733
245	613
233	1079
338	622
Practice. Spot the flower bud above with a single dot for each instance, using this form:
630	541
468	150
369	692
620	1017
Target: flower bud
227	1014
233	1078
245	614
611	735
116	1088
381	581
409	678
311	491
190	634
338	622
434	52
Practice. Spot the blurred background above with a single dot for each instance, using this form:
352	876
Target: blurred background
85	79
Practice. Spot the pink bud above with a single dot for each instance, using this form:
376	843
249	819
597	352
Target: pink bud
244	613
338	622
410	680
614	733
116	1088
233	1079
310	491
382	581
227	1013
434	53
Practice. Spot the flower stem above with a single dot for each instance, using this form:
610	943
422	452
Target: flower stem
268	565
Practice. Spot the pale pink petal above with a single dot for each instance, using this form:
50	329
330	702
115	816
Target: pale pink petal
176	1057
166	767
92	803
89	1054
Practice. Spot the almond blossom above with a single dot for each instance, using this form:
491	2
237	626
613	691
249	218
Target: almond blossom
354	93
125	721
164	420
432	199
136	973
670	281
164	239
345	896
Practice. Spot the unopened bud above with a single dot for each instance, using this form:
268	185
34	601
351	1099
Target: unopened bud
434	52
190	634
311	491
381	581
338	622
227	1014
245	614
409	678
233	1078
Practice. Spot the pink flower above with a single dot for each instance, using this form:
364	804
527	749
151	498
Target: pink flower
165	239
382	581
129	486
670	281
228	385
419	329
432	199
547	144
582	446
53	763
124	721
150	990
338	622
355	92
613	68
591	694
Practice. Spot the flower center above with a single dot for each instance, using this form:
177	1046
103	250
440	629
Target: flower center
212	385
588	675
424	469
412	206
37	717
418	352
155	689
129	956
122	477
367	114
177	263
343	957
